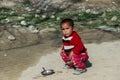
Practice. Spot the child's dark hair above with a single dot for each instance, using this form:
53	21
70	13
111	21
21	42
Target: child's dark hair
67	20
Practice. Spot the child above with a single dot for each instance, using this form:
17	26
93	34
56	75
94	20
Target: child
73	53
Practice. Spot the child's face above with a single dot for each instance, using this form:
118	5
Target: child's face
66	29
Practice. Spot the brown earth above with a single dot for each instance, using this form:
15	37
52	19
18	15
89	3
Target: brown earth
27	53
14	61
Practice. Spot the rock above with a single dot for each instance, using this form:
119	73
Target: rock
21	18
114	3
35	31
24	23
31	28
105	19
36	15
90	22
52	16
95	12
16	26
114	18
11	37
58	18
38	11
44	16
28	9
88	11
107	28
47	30
12	12
5	55
7	20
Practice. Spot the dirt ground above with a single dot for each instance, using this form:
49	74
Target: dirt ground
103	65
14	62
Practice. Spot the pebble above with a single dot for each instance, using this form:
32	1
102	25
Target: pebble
114	18
11	37
24	23
5	55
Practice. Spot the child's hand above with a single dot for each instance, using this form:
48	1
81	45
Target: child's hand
83	59
71	54
69	62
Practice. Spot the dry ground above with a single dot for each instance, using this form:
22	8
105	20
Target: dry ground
15	61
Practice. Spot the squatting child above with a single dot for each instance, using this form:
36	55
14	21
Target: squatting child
73	52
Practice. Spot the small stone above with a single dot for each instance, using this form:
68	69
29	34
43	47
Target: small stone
113	2
5	55
58	18
11	37
20	18
52	16
28	9
114	18
35	31
16	26
24	23
7	20
95	12
36	15
12	12
38	11
105	19
31	28
107	28
44	16
88	11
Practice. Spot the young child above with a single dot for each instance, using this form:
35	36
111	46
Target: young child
73	53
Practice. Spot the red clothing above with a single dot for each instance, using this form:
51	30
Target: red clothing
74	43
76	60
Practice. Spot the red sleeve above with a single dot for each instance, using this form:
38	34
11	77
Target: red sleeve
78	44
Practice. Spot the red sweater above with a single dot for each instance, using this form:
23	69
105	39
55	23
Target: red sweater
73	43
